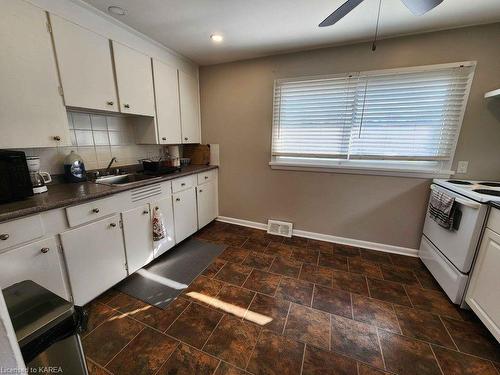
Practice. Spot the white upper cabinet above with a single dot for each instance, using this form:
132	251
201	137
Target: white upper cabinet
85	66
190	108
167	103
134	79
32	112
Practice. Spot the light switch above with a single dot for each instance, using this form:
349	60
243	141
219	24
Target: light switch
462	167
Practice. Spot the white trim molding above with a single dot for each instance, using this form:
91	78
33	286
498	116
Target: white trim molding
328	238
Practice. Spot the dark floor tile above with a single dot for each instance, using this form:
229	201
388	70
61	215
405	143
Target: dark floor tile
359	265
226	369
345	250
407	356
276	355
295	290
356	340
351	282
316	274
256	244
233	273
308	325
195	325
388	291
189	361
306	255
427	281
204	286
413	263
214	267
285	266
296	241
279	248
94	369
235	296
233	341
231	239
107	296
423	326
263	282
368	370
375	256
399	275
268	312
455	363
109	338
259	260
375	312
239	229
144	355
323	246
334	301
262	234
234	254
433	301
337	262
98	313
473	338
322	362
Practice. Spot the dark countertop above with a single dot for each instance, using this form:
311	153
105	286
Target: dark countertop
68	194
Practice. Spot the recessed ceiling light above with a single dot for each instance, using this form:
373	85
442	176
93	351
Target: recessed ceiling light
116	11
217	38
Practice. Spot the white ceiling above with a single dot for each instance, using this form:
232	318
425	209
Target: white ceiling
253	28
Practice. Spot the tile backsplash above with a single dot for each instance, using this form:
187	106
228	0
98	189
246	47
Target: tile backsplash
97	138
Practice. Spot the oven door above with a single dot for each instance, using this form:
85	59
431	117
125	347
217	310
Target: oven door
458	246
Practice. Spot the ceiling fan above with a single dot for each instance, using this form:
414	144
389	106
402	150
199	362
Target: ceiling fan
417	7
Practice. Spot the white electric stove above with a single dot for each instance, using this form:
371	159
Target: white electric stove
481	191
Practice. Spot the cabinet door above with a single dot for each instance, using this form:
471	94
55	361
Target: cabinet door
38	261
138	235
85	66
207	203
483	295
134	79
32	112
185	217
164	207
190	108
167	103
95	258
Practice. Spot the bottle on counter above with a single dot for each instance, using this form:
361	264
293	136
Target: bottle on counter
74	168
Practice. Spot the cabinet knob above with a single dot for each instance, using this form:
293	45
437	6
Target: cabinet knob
95	210
4	237
57	138
44	250
186	138
201	191
163	138
177	199
112	225
145	212
157	208
206	177
110	102
183	184
126	105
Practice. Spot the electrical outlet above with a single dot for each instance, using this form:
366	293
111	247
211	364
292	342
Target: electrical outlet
462	167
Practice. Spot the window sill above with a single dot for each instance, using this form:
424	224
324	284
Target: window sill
376	171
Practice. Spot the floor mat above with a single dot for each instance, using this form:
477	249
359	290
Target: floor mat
165	278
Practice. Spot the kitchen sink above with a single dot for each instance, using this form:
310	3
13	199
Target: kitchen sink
123	179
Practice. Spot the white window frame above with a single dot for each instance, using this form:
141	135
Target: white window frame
374	167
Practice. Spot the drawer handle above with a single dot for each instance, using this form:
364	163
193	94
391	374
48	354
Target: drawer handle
163	138
126	105
57	138
201	191
183	184
95	210
44	250
177	199
112	225
4	237
110	102
206	177
145	212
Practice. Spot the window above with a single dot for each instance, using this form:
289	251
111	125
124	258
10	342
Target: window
404	120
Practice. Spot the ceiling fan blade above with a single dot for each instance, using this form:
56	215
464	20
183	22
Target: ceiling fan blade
340	12
419	7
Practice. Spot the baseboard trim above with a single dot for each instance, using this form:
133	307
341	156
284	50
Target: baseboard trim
328	238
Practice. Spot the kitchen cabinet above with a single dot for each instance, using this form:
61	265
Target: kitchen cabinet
138	236
95	258
207	203
85	66
190	108
164	207
185	215
483	294
38	261
134	79
167	103
32	112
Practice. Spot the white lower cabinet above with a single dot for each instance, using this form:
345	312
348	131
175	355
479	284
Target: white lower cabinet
138	237
165	209
38	261
95	258
483	295
185	214
207	203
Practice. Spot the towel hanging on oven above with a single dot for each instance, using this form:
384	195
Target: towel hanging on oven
442	209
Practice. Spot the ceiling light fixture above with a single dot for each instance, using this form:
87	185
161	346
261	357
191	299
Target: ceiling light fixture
216	38
116	10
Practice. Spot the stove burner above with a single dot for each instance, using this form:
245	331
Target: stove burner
488	192
458	182
490	184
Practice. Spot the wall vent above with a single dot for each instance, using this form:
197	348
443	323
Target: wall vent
279	228
145	192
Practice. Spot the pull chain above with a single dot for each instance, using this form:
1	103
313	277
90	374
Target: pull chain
374	45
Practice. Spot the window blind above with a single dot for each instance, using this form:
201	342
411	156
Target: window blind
411	114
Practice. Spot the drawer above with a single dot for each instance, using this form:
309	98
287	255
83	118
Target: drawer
494	220
97	209
183	183
206	176
22	230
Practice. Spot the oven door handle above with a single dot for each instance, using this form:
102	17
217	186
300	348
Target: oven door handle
462	201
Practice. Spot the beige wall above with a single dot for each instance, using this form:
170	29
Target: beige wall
236	107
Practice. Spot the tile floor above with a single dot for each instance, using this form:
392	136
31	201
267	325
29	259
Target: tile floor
294	306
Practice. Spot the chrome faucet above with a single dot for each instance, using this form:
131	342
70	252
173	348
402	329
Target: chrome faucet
113	159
